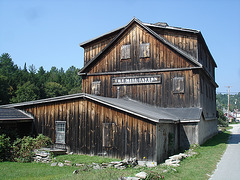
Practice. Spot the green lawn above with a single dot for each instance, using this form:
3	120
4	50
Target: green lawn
196	167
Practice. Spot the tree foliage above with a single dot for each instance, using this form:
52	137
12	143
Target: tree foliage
222	101
18	85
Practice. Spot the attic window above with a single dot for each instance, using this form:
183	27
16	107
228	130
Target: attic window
144	50
178	85
125	51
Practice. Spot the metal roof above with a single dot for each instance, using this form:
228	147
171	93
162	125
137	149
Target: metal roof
9	114
149	112
153	113
146	24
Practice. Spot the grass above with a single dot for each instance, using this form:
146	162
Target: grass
199	166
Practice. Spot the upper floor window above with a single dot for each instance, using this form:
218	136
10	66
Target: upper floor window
126	51
178	85
144	50
96	85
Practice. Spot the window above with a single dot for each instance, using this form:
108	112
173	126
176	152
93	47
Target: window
60	132
96	85
178	85
125	51
144	50
108	134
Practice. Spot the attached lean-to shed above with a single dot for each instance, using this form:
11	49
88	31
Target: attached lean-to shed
15	121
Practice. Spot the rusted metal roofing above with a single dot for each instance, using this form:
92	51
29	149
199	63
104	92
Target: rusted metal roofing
152	113
9	114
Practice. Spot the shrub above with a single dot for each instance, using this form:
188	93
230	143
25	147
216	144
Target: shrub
5	148
43	141
23	149
222	120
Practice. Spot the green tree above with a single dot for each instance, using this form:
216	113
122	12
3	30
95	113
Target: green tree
4	88
222	120
72	80
26	92
10	73
53	89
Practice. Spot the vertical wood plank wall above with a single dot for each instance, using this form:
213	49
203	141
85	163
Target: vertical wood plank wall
155	94
133	137
161	57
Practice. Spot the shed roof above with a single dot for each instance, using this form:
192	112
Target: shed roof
11	114
152	113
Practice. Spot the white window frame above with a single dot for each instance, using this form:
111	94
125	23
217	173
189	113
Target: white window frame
60	132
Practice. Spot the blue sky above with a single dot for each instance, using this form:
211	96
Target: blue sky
48	32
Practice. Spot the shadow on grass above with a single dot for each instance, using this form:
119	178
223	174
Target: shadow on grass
234	139
220	138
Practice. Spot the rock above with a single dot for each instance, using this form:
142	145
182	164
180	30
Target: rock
176	157
109	165
171	162
151	164
67	164
183	155
141	175
115	162
54	164
79	165
121	167
119	164
165	171
175	165
96	167
75	172
60	164
174	170
129	178
142	163
66	161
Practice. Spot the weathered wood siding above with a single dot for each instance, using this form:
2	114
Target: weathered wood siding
161	57
205	58
160	94
207	97
184	40
130	136
93	48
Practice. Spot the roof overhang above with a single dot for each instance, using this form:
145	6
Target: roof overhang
135	108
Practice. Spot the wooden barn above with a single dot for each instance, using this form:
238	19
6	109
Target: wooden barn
148	92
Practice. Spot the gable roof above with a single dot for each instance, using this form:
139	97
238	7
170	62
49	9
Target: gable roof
145	24
11	114
145	111
159	37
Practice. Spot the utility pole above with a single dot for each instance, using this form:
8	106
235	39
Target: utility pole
228	102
